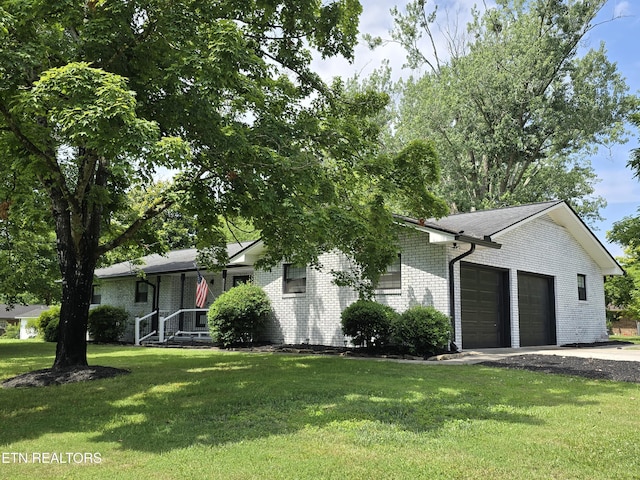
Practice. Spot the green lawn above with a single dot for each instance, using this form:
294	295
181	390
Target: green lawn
203	414
625	339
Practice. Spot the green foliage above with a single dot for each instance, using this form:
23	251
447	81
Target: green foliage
515	112
12	331
239	315
623	292
368	323
422	331
48	323
107	323
97	97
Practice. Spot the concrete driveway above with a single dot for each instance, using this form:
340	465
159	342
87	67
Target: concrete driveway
609	352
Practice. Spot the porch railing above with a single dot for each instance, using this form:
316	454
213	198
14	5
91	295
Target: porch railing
143	330
190	322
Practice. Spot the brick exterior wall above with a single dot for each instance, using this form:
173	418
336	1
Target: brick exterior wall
120	292
544	247
314	316
540	246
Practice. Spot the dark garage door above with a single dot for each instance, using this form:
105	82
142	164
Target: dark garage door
537	311
484	299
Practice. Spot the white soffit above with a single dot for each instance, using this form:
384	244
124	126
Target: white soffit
249	255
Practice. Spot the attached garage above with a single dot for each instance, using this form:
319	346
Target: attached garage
485	306
536	304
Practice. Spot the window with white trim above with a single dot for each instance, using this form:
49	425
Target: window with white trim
294	279
582	287
392	278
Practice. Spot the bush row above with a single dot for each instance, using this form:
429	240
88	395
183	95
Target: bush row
106	323
419	330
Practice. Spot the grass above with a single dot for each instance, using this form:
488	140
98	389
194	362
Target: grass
185	414
624	338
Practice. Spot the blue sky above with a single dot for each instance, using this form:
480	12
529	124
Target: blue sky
622	41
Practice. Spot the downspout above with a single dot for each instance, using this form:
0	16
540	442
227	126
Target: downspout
452	290
181	320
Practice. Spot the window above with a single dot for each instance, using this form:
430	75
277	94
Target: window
201	319
392	278
142	292
294	279
96	296
239	279
582	287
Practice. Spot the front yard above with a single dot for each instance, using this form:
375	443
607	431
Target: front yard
207	414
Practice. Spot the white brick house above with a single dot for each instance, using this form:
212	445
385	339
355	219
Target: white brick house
526	275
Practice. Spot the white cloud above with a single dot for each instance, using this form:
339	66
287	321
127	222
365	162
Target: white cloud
376	20
622	9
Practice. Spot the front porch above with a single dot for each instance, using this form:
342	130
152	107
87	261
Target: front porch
157	327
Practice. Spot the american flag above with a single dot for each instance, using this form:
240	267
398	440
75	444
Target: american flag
201	291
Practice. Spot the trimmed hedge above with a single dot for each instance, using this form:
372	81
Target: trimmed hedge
423	331
107	324
368	323
12	331
239	315
48	323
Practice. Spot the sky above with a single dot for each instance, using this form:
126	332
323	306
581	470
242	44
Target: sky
622	42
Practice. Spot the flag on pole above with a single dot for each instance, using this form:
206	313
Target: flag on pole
201	291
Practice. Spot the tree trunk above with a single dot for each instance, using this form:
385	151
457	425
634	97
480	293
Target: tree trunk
77	233
74	315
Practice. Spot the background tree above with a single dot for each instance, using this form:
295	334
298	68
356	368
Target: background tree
512	107
623	292
30	272
95	96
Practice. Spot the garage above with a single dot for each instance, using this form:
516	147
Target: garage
536	305
484	306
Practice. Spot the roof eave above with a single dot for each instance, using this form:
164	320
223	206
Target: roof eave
443	236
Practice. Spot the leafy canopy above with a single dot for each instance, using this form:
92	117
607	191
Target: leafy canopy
624	292
513	108
97	96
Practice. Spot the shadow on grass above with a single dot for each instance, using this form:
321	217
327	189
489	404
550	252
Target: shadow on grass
177	399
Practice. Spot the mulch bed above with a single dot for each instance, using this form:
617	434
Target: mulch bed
47	376
620	371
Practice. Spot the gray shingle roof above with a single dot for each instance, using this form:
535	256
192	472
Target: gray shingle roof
174	261
21	311
487	223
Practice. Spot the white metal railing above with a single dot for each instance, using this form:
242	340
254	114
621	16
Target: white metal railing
169	327
180	322
139	320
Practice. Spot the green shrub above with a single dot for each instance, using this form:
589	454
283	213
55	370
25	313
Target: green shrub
48	322
422	331
239	315
12	331
368	323
107	323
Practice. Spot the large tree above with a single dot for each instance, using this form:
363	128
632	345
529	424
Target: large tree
515	104
623	291
96	95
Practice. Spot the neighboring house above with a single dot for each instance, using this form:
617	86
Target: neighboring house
20	315
510	277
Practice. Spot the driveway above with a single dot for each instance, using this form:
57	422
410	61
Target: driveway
609	352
